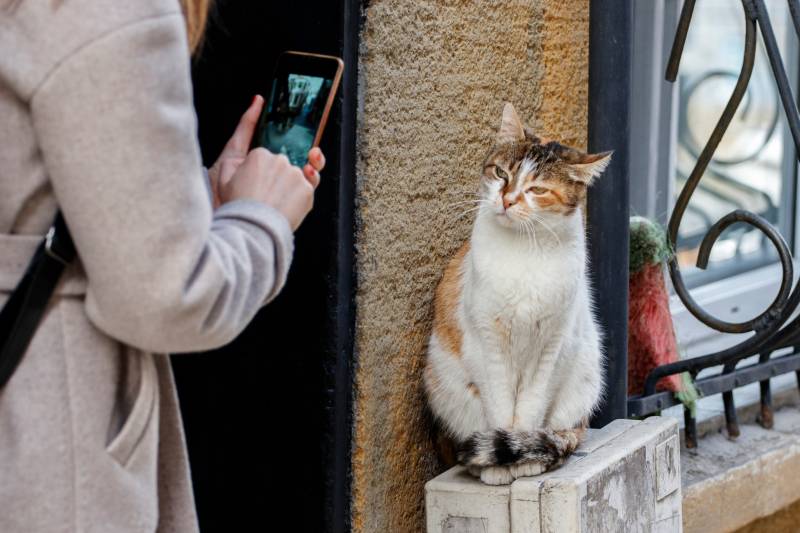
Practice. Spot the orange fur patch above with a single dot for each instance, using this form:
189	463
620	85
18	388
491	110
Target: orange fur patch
431	378
445	323
545	201
558	196
473	389
504	331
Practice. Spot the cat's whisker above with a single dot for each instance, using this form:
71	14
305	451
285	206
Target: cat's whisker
473	201
526	233
530	230
534	244
547	227
464	213
479	202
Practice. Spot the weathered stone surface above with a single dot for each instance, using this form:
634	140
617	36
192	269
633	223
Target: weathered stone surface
455	498
784	521
611	489
610	485
433	77
728	484
668	478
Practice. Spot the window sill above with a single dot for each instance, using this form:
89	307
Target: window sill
728	484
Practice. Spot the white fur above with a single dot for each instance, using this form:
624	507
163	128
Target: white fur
530	343
496	475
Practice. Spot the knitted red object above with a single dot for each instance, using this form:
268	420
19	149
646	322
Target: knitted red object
651	338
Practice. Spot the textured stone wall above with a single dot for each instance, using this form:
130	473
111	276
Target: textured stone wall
434	76
784	521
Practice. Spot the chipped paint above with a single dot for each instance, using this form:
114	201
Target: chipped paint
611	488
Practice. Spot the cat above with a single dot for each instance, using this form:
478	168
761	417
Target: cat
514	367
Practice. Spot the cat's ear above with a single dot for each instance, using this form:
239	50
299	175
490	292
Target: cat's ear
511	129
533	137
587	167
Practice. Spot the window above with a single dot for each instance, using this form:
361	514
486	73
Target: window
754	167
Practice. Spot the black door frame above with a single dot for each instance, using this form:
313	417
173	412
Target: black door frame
240	433
608	200
340	463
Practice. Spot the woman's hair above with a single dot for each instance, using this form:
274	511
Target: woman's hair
196	14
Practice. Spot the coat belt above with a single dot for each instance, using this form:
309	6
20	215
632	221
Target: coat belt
16	251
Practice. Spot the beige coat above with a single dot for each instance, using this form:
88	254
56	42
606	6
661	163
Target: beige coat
96	117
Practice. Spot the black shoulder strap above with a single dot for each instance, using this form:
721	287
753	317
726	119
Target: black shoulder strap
25	307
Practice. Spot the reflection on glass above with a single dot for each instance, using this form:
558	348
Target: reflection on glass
293	115
749	169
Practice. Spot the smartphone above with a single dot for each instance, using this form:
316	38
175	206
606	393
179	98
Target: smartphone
300	99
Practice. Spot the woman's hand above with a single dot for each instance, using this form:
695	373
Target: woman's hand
235	152
316	162
273	180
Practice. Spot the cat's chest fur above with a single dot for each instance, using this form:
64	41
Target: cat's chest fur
515	283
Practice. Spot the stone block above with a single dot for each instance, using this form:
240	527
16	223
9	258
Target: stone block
457	502
624	477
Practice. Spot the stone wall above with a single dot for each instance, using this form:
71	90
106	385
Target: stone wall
433	79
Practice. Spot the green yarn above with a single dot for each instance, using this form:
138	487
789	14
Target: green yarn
689	395
648	243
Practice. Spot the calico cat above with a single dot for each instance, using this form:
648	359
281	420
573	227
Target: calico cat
514	367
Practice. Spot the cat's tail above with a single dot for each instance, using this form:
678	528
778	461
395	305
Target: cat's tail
502	447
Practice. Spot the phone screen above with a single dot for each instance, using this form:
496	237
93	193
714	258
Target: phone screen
293	114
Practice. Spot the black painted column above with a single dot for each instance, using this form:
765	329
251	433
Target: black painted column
608	202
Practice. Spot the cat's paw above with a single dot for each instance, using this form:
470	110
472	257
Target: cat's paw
474	471
496	475
528	469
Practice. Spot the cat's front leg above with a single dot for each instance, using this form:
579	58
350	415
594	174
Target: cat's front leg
499	398
491	372
535	390
578	395
533	399
493	475
497	475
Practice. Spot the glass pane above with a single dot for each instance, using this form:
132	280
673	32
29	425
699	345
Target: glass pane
753	167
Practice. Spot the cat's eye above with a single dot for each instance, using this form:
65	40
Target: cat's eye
501	173
539	190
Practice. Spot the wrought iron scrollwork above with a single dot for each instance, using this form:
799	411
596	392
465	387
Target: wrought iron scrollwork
770	329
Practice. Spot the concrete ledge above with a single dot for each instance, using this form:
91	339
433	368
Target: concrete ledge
624	477
728	484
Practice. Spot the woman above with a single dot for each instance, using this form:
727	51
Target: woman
96	119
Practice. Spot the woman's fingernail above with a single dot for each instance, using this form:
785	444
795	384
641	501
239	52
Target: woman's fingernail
255	97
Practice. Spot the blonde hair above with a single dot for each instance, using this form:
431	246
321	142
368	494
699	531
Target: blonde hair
195	12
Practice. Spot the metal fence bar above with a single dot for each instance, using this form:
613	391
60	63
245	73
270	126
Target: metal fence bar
794	9
778	70
770	329
642	405
608	202
731	421
765	415
675	55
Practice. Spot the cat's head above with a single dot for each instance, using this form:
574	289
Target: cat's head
527	178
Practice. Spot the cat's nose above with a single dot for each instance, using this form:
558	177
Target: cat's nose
509	200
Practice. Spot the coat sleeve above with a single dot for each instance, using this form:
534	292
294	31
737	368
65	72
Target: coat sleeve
117	130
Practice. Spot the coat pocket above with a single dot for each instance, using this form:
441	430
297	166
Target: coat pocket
140	418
